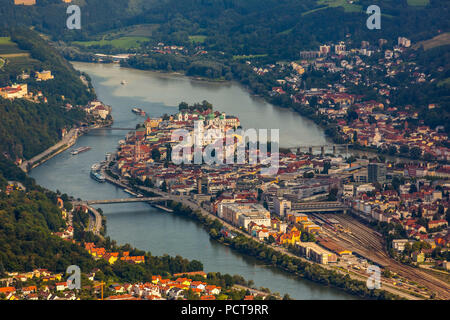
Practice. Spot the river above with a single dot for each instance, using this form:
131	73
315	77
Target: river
152	229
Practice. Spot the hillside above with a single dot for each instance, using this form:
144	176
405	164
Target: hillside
29	126
240	27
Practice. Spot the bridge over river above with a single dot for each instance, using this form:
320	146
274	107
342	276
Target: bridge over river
128	200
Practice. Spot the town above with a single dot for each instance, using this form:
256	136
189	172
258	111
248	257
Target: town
351	90
335	210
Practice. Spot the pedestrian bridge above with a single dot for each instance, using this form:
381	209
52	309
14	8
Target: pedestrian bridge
127	200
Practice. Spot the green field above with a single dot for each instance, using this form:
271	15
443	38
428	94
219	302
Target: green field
440	40
9	47
348	7
124	43
252	56
6	40
418	3
138	30
286	31
14	58
445	82
197	39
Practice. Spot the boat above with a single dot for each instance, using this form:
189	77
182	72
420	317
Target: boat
80	150
123	82
96	167
138	111
97	176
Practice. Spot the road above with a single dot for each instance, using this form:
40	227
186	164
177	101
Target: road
68	141
96	225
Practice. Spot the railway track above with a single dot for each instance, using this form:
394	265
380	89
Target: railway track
366	242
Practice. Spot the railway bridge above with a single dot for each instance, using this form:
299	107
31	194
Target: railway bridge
319	207
324	149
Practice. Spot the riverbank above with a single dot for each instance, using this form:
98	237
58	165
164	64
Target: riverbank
68	141
398	157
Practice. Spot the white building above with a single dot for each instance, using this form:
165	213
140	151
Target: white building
281	206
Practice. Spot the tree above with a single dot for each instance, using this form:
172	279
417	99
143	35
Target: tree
404	149
156	155
326	167
355	136
415	152
392	150
332	196
352	114
308	175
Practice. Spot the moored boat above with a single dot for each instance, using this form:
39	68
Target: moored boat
80	150
138	111
97	176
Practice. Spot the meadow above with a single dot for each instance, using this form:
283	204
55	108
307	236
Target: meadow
197	39
14	57
348	7
418	3
124	43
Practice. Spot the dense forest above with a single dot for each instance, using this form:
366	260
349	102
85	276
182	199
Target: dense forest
277	28
28	219
66	80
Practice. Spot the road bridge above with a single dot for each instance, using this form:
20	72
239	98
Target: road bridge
127	200
115	128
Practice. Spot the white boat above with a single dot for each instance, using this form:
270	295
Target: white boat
123	82
95	167
98	176
80	150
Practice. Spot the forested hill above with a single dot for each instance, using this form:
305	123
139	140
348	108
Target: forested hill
279	28
29	220
28	127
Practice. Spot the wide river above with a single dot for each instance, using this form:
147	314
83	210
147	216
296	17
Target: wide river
149	228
